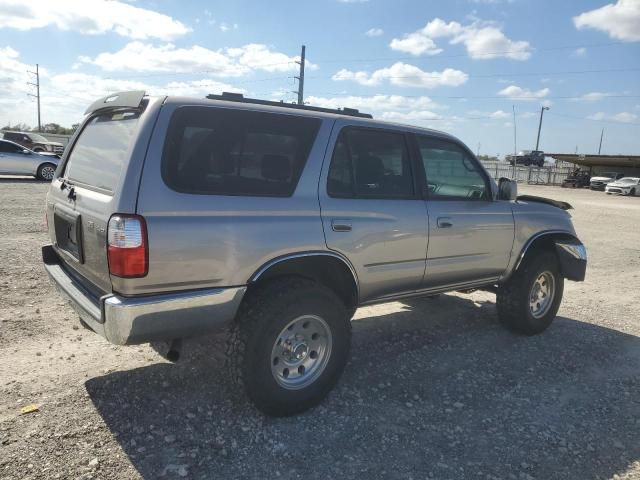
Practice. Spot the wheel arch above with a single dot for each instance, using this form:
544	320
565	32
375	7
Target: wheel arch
549	241
328	268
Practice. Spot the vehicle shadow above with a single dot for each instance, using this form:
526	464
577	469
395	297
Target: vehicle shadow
435	389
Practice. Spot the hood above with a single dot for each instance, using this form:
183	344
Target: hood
601	179
623	185
56	144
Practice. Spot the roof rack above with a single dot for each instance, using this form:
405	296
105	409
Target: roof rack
238	97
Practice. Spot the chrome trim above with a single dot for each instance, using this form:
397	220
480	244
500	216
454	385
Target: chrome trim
293	256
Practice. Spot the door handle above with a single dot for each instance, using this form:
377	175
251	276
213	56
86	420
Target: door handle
444	222
340	225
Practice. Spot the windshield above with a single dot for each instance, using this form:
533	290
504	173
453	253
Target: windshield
628	180
38	138
608	174
100	152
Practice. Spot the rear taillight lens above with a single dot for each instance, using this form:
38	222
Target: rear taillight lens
127	250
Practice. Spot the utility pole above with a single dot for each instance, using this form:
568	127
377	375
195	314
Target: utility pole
478	153
542	109
37	95
600	147
515	149
300	78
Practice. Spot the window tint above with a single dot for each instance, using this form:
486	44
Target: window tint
7	147
370	163
450	172
235	152
100	151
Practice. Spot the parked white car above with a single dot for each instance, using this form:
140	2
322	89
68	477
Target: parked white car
18	160
624	186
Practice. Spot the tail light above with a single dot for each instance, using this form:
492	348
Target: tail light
127	248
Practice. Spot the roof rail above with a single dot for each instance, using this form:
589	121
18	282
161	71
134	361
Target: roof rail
238	97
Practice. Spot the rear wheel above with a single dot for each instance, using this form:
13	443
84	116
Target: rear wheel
46	171
529	301
632	192
289	345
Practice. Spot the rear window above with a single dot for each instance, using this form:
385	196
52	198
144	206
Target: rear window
100	152
235	152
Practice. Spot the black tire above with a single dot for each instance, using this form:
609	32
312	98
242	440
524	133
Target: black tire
46	171
513	298
263	316
632	192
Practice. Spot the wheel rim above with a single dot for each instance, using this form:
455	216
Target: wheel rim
301	352
542	294
47	172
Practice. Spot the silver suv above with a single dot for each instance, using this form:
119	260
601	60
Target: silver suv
170	217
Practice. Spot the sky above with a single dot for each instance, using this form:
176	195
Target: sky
460	66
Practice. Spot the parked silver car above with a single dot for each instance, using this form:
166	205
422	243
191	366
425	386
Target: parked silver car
176	216
18	160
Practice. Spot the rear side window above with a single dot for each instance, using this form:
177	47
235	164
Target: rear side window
217	151
370	163
100	151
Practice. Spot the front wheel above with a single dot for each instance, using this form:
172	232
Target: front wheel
46	171
289	345
529	301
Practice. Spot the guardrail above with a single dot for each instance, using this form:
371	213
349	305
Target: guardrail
551	175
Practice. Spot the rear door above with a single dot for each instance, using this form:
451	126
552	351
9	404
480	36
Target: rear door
371	210
81	201
470	234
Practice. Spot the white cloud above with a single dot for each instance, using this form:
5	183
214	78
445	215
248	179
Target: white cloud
415	44
499	114
527	115
65	96
229	62
374	32
580	52
90	17
621	20
592	96
405	75
483	40
515	92
376	103
622	117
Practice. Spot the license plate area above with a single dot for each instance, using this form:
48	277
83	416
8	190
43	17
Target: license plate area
68	229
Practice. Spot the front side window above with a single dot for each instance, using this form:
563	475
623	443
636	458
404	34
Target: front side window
451	173
215	151
369	163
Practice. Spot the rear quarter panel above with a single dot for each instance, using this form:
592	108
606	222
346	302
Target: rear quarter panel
198	241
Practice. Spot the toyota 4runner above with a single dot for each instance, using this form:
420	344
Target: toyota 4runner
170	217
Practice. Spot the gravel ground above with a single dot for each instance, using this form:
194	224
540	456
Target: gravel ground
435	388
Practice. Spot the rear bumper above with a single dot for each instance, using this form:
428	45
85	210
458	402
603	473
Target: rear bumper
133	320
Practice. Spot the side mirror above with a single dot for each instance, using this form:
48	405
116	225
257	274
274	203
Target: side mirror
26	152
507	189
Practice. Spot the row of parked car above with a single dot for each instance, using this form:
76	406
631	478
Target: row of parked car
28	153
609	182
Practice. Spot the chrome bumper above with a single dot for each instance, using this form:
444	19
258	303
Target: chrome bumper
133	320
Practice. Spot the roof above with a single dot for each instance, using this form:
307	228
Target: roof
621	161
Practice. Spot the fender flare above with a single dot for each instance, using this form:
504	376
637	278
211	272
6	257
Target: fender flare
314	253
571	253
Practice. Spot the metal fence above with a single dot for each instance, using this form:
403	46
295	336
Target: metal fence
552	175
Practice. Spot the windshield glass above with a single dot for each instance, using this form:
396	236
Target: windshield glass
608	174
627	180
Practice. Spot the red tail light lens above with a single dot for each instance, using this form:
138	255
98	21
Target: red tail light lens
127	249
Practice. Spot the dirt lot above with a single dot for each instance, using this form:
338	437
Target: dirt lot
435	388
